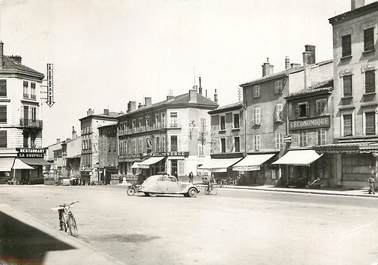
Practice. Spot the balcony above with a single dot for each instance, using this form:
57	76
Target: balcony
31	123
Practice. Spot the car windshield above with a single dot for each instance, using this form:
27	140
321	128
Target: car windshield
173	179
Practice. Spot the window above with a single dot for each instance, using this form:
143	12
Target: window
347	84
302	110
370	81
237	144
162	120
278	114
26	92
256	91
279	141
3	88
236	121
257	116
321	106
348	129
278	87
322	137
173	116
174	147
346	44
303	138
34	113
369	39
370	123
222	122
3	139
32	91
223	145
3	114
201	150
257	142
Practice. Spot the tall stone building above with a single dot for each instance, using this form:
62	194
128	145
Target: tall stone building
108	152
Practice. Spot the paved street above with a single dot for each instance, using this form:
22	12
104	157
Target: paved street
233	227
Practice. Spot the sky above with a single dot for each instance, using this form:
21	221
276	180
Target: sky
106	53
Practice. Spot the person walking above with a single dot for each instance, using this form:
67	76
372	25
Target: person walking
371	181
191	177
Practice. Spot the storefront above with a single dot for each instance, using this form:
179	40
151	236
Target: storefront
220	168
32	157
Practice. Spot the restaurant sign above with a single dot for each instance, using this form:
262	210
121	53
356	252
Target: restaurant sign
311	123
30	152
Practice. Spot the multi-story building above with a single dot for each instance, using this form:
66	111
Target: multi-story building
355	99
56	168
89	162
108	152
169	136
20	122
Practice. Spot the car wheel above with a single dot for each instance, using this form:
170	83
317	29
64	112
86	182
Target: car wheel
130	191
192	192
147	194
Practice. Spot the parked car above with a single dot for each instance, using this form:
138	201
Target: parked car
165	184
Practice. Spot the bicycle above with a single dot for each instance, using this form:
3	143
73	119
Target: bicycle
67	221
133	188
210	190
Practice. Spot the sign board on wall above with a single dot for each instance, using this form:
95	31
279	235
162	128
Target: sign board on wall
310	123
50	85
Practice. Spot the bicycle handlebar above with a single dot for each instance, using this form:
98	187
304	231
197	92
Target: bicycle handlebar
68	204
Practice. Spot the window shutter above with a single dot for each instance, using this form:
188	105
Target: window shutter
370	123
369	81
307	110
347	125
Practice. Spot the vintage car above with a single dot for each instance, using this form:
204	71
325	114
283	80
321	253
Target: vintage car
165	184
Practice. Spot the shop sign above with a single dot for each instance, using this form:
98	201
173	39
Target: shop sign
319	122
30	152
185	154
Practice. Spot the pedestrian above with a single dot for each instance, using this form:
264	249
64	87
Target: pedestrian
371	181
191	177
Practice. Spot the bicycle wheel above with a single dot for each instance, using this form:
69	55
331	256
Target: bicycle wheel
130	191
72	227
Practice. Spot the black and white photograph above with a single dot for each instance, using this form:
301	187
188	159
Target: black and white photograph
188	132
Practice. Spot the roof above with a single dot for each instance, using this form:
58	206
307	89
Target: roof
107	125
112	116
324	87
12	66
177	101
358	12
229	107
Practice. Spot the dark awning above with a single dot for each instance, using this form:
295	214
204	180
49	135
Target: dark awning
35	161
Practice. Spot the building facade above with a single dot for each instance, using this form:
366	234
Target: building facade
108	152
89	162
355	77
170	136
20	121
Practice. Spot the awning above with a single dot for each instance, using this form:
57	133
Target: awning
18	164
298	158
136	165
219	165
6	163
35	161
150	161
252	162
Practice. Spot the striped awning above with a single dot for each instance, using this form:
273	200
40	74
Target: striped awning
18	164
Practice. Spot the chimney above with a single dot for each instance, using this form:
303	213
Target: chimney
106	111
287	62
357	4
16	58
147	101
131	106
140	105
192	96
90	112
57	140
1	54
309	55
267	68
215	96
200	86
74	135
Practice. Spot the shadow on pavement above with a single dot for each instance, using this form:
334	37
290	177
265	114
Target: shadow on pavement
22	244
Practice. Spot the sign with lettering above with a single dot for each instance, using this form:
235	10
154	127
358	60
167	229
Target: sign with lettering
310	123
30	152
50	85
145	155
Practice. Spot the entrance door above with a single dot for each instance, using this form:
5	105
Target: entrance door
174	168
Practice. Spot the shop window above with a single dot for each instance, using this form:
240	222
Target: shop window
370	123
370	81
347	85
346	43
348	125
369	39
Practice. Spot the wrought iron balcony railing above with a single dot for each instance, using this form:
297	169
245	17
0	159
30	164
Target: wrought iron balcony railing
31	123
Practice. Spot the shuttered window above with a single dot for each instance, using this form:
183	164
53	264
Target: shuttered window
222	122
347	83
257	116
257	142
322	137
370	81
3	139
348	125
256	91
3	114
237	144
370	123
236	121
346	42
369	39
3	88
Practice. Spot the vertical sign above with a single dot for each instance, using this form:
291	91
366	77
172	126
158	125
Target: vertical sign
50	85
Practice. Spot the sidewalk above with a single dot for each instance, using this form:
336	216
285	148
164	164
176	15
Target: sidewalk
26	241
